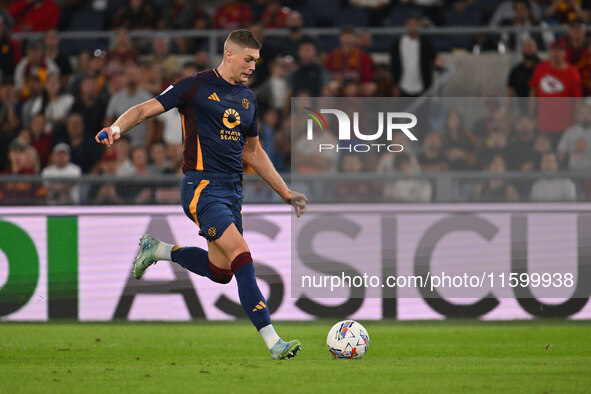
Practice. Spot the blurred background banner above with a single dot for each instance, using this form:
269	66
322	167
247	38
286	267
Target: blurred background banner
75	263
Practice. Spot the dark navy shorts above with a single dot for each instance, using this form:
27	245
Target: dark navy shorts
213	201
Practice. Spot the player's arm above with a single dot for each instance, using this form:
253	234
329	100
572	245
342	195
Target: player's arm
131	118
257	158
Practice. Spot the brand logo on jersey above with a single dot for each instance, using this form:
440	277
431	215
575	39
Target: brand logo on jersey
245	103
261	305
214	97
551	84
231	118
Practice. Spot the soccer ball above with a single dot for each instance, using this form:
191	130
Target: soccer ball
347	339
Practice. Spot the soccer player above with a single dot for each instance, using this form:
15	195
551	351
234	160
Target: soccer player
219	126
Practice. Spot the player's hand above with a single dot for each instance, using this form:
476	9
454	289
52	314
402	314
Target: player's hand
110	136
298	200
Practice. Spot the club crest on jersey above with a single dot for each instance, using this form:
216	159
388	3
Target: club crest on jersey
245	103
231	118
212	232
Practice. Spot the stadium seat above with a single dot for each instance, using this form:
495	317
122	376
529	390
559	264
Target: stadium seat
470	16
86	20
354	16
324	13
399	13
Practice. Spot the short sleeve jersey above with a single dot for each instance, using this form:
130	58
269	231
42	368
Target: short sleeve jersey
216	118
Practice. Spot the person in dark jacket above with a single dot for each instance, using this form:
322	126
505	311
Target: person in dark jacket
413	59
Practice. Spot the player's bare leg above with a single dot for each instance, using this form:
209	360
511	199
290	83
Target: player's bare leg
231	251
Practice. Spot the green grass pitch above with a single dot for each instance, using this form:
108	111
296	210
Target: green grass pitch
413	357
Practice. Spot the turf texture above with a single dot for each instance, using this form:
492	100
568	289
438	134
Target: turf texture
414	357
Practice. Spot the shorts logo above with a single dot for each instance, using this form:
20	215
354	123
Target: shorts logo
212	232
231	118
245	103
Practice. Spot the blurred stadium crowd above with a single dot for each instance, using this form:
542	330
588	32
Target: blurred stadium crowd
55	97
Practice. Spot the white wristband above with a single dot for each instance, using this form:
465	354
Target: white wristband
116	129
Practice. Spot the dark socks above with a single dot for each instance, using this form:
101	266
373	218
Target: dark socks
197	261
251	298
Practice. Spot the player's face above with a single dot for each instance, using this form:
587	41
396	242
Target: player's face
243	62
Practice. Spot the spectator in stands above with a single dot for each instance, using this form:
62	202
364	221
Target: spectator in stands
84	151
115	82
55	105
106	193
275	15
459	145
231	15
520	153
136	15
290	44
62	193
269	122
10	55
385	163
552	188
310	76
268	54
96	69
505	11
184	15
201	61
161	56
522	22
36	64
558	80
543	144
407	190
274	91
140	194
51	41
484	126
348	62
9	118
32	106
518	83
90	105
21	192
413	60
354	190
496	189
305	156
564	11
159	162
40	139
34	15
152	79
123	148
432	158
578	54
132	95
574	148
495	145
123	48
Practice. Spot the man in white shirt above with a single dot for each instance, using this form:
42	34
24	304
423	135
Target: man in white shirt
574	147
553	188
62	193
413	59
